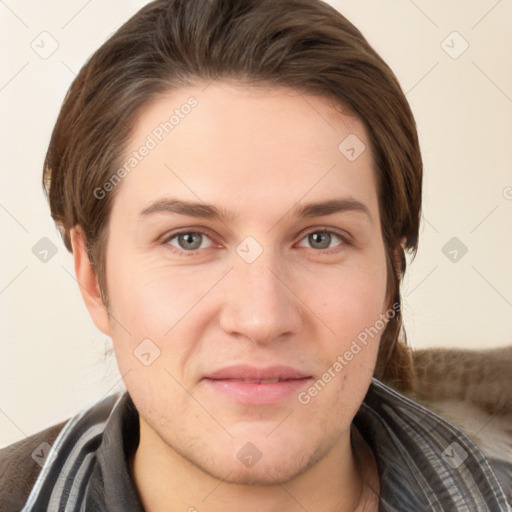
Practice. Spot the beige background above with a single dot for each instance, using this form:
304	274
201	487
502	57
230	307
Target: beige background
51	357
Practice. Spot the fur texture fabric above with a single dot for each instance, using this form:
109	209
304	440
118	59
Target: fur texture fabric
472	389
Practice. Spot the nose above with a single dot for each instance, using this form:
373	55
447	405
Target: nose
259	302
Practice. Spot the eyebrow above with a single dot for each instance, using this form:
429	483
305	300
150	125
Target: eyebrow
208	211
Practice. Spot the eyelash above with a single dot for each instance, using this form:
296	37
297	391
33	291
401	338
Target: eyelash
344	240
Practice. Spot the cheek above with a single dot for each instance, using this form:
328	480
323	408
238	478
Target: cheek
151	301
152	297
353	298
355	310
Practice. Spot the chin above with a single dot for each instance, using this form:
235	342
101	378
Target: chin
263	463
264	473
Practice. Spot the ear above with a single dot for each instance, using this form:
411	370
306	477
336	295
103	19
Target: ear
88	281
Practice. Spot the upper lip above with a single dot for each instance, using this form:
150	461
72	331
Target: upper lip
247	372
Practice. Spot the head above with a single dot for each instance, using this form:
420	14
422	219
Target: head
284	83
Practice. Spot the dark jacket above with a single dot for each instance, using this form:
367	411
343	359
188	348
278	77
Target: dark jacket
19	468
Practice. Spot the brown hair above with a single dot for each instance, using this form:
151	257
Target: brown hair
302	44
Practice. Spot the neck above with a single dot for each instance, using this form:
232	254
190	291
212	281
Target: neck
342	481
367	468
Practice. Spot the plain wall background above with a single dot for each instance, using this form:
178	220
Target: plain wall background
52	361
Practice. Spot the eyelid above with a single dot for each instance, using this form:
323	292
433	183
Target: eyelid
343	235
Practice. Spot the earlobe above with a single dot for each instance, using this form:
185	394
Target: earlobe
87	278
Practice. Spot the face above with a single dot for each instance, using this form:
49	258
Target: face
237	321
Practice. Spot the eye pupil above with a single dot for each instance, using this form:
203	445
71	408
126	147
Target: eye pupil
317	238
187	238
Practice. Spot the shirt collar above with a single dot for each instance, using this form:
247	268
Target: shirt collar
424	462
112	480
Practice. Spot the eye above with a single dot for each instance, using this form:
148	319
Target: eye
188	241
322	239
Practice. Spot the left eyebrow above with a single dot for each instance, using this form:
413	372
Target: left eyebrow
330	207
208	211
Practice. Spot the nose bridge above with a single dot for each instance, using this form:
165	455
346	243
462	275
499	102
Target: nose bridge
258	303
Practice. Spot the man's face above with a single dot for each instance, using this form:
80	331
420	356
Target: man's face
221	333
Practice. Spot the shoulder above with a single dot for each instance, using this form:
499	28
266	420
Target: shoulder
20	465
48	462
425	462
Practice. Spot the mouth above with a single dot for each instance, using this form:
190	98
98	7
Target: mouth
257	386
258	381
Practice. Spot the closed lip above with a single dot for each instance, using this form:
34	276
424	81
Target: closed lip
248	373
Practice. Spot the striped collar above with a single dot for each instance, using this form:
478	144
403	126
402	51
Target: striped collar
424	462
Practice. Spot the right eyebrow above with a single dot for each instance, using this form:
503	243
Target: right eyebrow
200	210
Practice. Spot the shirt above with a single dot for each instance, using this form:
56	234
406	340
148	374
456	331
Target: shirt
424	462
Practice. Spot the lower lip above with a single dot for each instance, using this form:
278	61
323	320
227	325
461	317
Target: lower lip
257	393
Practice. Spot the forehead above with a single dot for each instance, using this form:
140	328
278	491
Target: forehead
249	148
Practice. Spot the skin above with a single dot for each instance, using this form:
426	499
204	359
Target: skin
256	152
